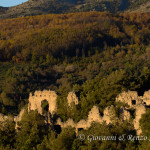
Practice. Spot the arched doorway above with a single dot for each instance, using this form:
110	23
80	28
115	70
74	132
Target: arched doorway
45	107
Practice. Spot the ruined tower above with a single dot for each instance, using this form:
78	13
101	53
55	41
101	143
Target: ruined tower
35	101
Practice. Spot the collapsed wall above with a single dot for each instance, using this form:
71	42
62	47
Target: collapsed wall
130	97
140	110
18	118
93	116
146	98
15	119
138	103
4	118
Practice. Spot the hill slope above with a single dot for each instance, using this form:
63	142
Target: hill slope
37	7
3	10
95	54
145	7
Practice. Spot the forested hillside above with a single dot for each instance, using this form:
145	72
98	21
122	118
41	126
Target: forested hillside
97	55
38	7
54	50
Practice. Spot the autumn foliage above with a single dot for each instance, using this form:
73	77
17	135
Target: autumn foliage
21	39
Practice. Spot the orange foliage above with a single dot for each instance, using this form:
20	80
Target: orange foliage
57	33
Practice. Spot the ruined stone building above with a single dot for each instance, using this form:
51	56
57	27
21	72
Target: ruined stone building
138	103
131	98
93	116
35	101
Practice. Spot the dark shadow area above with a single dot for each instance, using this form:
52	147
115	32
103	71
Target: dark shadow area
80	129
45	107
133	102
57	128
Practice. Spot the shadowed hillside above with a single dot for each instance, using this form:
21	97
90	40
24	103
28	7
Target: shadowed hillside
145	7
3	10
38	7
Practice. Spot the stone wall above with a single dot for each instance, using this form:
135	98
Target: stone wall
137	103
4	118
93	116
72	98
35	101
146	98
18	118
132	99
140	110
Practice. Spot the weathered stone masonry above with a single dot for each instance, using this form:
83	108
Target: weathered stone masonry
35	101
138	103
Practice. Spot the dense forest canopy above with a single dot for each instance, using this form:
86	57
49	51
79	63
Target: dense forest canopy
39	7
56	35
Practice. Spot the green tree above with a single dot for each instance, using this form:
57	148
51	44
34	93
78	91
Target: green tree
65	139
7	134
31	132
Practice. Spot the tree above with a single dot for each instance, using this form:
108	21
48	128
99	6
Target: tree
31	131
7	134
145	124
6	100
65	139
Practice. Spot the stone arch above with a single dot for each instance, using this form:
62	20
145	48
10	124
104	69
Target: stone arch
45	107
36	99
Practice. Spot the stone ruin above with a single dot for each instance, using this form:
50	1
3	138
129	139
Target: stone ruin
93	116
3	118
72	98
124	114
138	103
140	110
35	101
131	98
16	119
146	98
